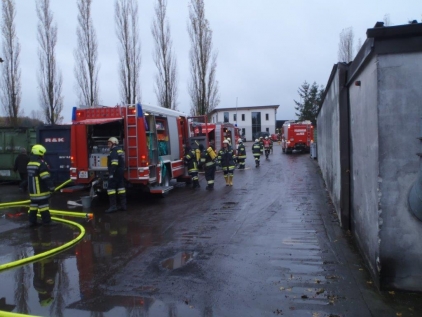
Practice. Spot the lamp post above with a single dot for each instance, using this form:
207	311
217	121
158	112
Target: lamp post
236	111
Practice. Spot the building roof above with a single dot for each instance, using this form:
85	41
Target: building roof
244	108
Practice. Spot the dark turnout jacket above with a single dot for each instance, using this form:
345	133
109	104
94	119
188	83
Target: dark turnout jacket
40	183
116	162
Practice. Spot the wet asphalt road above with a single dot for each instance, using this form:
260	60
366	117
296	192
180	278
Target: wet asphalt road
270	245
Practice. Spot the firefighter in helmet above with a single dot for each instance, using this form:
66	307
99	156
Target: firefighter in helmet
116	181
192	163
257	149
241	154
261	142
40	186
226	158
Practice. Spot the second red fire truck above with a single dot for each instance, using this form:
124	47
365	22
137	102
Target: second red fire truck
297	135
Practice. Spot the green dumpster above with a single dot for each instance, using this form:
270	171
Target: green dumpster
12	140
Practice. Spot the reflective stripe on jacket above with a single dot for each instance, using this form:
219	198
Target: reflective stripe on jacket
226	157
39	180
116	161
241	151
191	162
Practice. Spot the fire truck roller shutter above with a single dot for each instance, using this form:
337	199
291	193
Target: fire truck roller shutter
173	143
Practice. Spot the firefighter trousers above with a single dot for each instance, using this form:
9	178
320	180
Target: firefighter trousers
209	176
42	206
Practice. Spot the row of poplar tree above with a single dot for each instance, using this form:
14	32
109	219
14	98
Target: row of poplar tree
203	87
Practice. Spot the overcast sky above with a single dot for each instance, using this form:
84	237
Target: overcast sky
266	48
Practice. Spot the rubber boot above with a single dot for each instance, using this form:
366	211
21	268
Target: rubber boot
33	218
227	181
123	205
46	218
112	200
231	180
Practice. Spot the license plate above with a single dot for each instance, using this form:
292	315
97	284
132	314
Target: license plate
83	174
105	184
4	173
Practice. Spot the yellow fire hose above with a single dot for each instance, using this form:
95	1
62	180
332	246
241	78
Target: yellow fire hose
48	253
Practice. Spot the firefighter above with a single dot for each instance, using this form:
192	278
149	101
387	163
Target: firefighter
261	142
192	164
208	163
116	180
257	149
226	158
40	186
21	163
267	146
241	154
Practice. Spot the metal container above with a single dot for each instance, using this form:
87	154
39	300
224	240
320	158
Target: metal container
56	140
12	140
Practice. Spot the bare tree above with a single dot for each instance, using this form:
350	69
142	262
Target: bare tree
203	88
126	14
166	78
49	77
86	57
11	75
345	47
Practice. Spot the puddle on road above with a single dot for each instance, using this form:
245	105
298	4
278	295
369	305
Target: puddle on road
179	260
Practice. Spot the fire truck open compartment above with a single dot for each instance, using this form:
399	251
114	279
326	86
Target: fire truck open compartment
97	137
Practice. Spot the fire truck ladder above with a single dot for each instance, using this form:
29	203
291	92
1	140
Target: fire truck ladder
132	144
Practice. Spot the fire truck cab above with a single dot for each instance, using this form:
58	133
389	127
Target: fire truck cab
151	137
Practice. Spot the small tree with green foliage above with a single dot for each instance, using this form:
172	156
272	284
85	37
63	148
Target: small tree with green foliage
310	101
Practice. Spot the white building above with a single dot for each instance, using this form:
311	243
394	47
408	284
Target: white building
249	119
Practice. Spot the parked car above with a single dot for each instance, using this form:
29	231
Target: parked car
257	135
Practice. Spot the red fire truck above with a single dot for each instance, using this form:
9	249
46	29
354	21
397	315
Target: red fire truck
297	135
202	132
152	138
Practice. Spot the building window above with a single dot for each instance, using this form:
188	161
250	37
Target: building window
256	123
267	129
243	117
243	132
226	117
235	117
267	116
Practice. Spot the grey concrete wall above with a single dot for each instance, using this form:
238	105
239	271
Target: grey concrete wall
328	136
365	193
399	120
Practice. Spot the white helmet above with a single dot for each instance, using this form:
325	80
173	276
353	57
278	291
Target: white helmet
113	140
239	141
225	142
266	138
256	140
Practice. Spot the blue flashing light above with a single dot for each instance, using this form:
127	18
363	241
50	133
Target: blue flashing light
73	113
139	110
